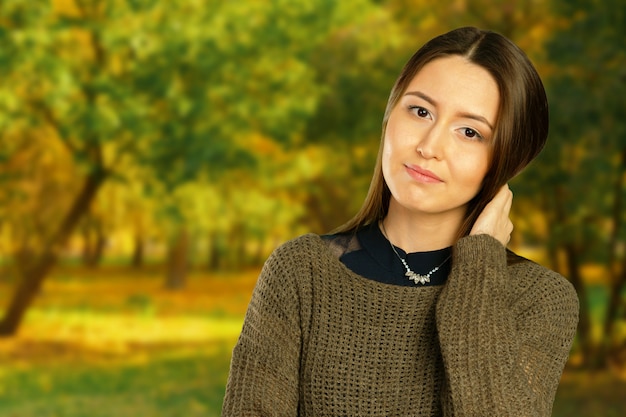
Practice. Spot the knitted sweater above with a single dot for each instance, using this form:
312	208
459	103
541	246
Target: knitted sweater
320	340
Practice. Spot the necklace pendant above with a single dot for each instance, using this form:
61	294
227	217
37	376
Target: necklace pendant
413	276
417	278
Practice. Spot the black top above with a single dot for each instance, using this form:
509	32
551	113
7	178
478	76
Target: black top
376	260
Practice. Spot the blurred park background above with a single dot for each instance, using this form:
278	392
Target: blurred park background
153	153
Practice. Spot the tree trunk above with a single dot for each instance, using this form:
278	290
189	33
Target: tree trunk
236	254
571	252
178	261
87	249
97	249
138	252
617	274
615	300
584	322
23	259
213	255
33	276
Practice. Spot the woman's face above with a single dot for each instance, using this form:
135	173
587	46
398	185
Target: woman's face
436	145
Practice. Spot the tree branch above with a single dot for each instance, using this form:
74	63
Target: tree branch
48	115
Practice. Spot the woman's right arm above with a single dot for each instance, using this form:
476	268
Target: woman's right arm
264	370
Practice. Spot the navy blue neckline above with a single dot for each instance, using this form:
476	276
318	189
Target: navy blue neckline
377	261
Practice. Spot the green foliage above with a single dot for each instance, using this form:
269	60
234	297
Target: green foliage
249	122
588	132
181	87
163	387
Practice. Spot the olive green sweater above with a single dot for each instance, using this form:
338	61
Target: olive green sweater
319	340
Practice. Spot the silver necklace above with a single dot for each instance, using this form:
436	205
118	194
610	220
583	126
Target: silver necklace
413	276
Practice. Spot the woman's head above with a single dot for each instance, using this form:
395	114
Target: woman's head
520	130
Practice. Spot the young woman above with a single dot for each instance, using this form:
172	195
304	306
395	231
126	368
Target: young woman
415	307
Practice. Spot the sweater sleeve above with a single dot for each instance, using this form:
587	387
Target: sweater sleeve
263	377
504	333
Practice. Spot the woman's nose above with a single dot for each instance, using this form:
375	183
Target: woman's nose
432	143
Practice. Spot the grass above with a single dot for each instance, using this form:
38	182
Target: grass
190	385
113	341
590	395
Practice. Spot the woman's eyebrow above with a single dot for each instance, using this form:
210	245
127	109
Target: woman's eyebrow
422	96
476	117
433	102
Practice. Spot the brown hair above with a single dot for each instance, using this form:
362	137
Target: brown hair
521	128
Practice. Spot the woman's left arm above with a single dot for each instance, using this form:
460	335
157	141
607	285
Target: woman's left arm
505	332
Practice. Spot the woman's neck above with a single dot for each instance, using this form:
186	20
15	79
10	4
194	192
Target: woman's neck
420	232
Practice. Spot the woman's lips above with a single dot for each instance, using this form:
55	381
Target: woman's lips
422	175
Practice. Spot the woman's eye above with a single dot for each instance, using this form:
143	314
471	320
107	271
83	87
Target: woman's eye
471	133
420	111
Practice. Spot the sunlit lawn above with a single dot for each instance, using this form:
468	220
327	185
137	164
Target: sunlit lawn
113	342
191	385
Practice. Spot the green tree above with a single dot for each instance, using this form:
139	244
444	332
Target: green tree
585	161
139	80
177	87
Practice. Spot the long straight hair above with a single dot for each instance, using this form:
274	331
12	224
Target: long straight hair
521	128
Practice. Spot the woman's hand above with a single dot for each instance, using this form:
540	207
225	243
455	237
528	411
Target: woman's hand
494	219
